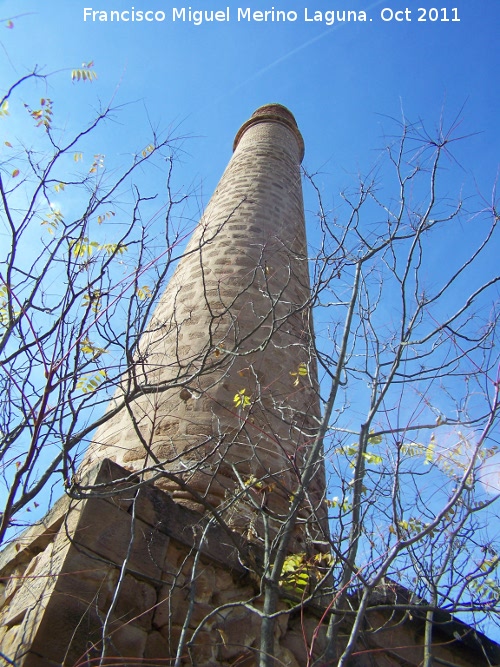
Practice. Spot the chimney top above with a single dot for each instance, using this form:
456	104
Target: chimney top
275	113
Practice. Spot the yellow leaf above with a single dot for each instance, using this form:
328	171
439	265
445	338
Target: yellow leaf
301	370
7	143
143	292
105	216
15	173
89	383
149	149
240	399
77	157
87	347
83	74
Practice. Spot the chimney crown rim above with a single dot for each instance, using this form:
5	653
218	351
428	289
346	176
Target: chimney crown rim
277	113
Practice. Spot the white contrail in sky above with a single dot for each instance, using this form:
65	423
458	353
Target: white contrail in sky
291	53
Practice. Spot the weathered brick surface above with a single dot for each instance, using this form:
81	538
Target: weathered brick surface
236	315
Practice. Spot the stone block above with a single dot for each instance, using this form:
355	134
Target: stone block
68	627
127	641
239	631
199	613
171	634
136	602
286	657
35	538
11	640
233	594
245	658
172	606
107	531
33	660
133	454
296	644
88	579
223	580
309	626
204	584
12	582
157	647
32	590
204	650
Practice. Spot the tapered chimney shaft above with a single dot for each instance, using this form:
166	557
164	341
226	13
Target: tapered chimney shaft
223	395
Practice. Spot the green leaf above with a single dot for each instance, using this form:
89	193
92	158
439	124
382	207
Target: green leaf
105	216
372	458
430	451
374	439
42	116
113	248
98	163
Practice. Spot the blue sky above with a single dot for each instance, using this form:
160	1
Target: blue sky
339	81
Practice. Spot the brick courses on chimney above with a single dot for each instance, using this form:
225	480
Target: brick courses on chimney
235	316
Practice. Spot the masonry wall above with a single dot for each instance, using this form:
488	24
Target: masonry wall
143	570
62	577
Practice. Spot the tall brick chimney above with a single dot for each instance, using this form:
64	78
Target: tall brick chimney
220	410
226	369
